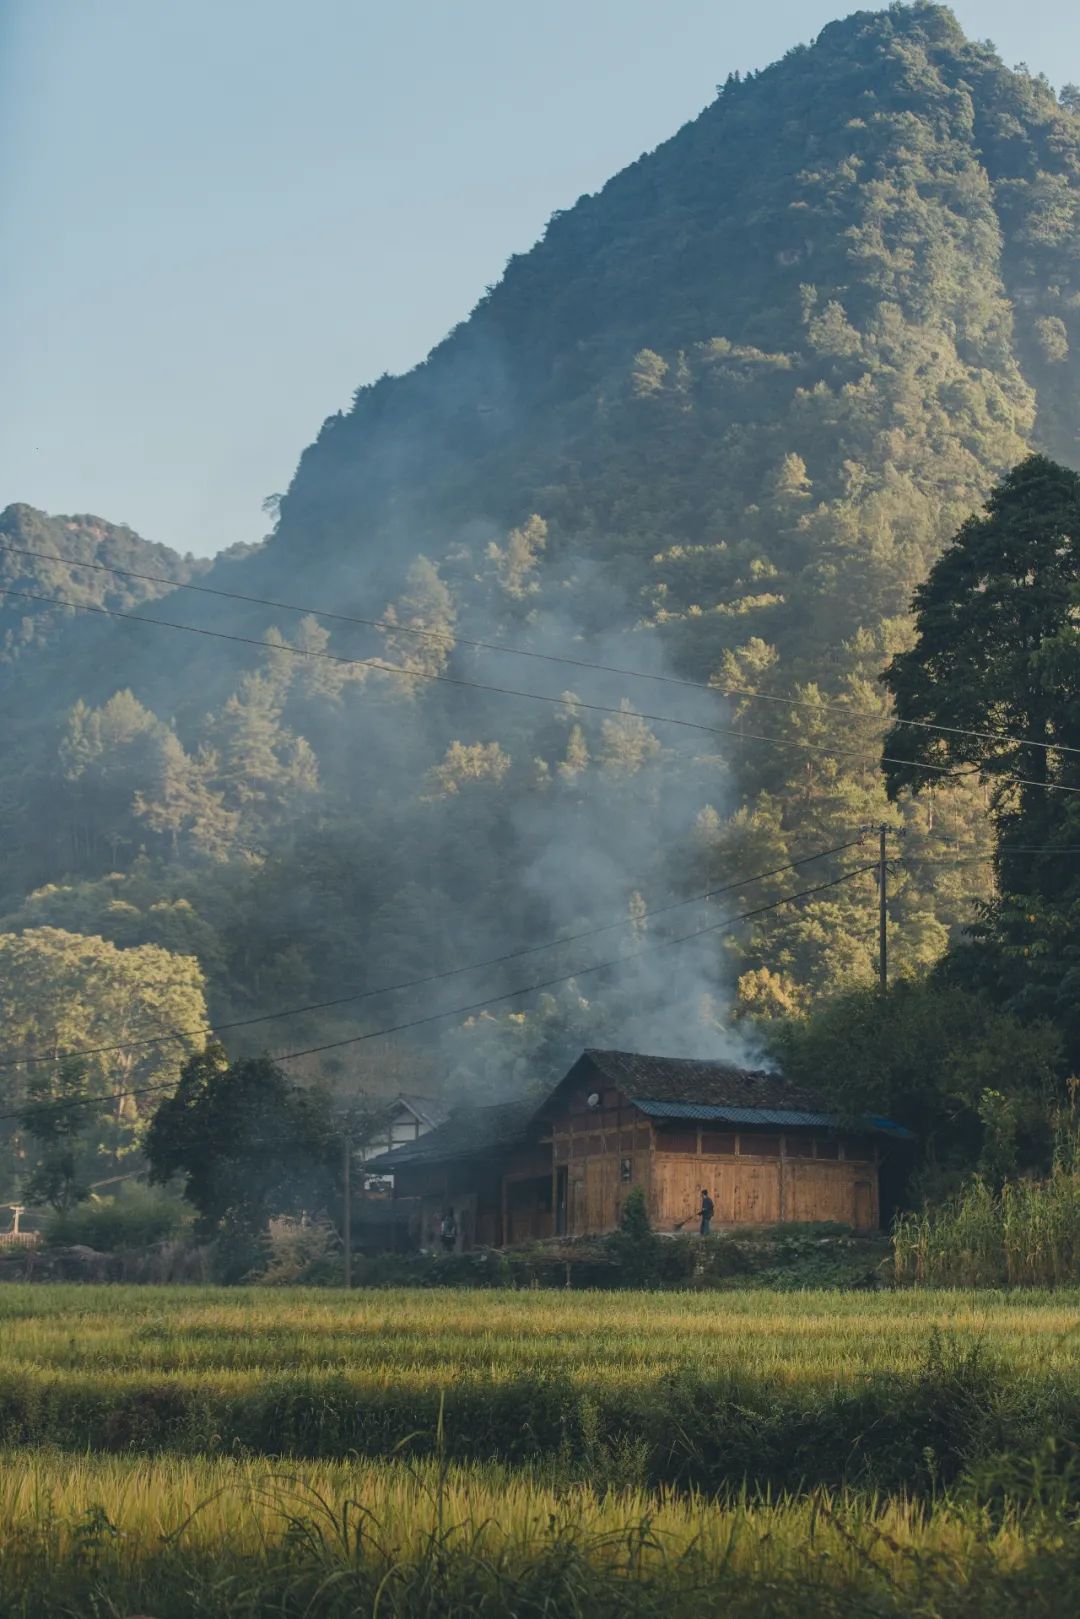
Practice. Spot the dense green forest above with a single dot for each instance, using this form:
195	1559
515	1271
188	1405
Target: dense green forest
714	429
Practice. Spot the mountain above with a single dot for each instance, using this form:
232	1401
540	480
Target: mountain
713	428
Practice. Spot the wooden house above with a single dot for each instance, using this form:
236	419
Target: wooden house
475	1164
765	1150
403	1121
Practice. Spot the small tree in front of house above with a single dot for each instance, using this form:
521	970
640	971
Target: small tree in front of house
635	1246
248	1145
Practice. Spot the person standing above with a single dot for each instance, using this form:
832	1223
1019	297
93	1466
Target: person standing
706	1211
448	1231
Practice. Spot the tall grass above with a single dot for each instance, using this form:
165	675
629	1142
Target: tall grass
439	1337
1027	1234
92	1536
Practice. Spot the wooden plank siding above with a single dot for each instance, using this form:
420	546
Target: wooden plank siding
767	1177
570	1171
755	1177
602	1152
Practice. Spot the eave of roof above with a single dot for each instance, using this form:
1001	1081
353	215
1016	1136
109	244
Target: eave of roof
793	1118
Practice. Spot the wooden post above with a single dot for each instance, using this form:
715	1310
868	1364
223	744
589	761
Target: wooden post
347	1208
883	913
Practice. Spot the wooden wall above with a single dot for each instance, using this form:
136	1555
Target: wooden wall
575	1182
597	1155
757	1177
763	1178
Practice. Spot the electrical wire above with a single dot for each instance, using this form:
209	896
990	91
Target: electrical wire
454	638
477	1006
32	1058
574	705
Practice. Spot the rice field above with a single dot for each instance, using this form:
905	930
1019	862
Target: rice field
168	1451
177	1537
434	1337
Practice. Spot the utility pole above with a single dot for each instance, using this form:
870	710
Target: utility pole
347	1209
883	938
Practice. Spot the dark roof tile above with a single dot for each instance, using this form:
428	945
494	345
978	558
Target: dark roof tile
687	1079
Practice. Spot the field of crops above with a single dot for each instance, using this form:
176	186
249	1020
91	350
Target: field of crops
442	1336
189	1451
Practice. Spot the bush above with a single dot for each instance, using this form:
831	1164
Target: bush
301	1254
137	1217
635	1248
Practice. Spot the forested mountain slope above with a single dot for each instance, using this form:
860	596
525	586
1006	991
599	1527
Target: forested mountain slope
716	424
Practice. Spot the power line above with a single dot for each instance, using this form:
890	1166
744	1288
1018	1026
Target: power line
475	1006
581	972
981	859
574	705
34	1058
453	638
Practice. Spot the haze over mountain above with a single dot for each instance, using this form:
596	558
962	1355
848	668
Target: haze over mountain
717	424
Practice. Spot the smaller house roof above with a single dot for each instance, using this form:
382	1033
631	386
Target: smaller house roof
469	1132
426	1108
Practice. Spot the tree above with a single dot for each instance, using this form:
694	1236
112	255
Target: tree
929	1055
56	1128
61	991
247	1144
464	765
516	563
996	665
426	607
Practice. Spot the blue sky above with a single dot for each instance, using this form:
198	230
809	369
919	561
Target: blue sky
221	216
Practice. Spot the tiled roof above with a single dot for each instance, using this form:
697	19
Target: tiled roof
469	1132
686	1079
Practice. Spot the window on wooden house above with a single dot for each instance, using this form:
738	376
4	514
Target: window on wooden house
676	1141
860	1148
721	1142
759	1146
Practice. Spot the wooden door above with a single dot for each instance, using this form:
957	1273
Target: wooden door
576	1208
865	1213
601	1192
821	1192
561	1201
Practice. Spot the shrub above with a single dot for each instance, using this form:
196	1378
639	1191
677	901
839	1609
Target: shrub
136	1217
301	1253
